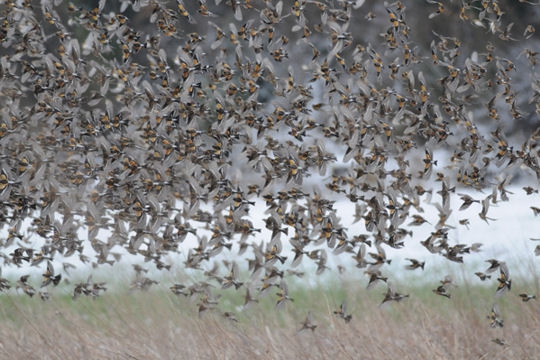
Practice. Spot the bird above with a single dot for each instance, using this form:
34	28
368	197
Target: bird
307	324
526	297
495	317
249	299
494	265
505	283
446	284
442	290
283	294
375	276
342	312
28	289
178	289
415	264
417	220
467	201
49	276
482	275
392	295
4	283
232	278
230	316
485	207
499	341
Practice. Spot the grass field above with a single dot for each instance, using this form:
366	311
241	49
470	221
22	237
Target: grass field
160	325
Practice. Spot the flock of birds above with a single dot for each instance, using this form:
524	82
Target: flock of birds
134	131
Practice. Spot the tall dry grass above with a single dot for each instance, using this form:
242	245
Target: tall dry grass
159	325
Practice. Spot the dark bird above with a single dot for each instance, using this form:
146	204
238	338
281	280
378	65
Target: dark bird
529	190
4	283
415	264
28	289
49	276
467	201
342	312
526	297
441	290
231	316
493	265
495	317
232	278
283	294
482	276
446	284
307	324
504	279
485	207
375	276
417	220
392	295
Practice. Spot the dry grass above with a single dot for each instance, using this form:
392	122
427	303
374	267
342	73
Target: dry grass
159	325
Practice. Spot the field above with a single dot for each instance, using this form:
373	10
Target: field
160	325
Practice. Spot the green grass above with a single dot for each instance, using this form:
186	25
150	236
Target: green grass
157	324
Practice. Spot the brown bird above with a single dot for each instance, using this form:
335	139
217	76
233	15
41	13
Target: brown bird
417	220
28	289
307	324
179	289
467	201
4	283
485	207
446	284
375	276
494	265
441	290
49	277
529	190
392	295
495	317
428	163
231	316
283	294
526	297
415	264
44	295
504	279
249	299
232	278
342	312
482	276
